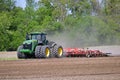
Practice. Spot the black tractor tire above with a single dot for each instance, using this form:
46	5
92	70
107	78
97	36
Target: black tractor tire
42	52
19	54
38	52
58	51
46	52
51	44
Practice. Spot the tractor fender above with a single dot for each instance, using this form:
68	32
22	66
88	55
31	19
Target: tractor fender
52	44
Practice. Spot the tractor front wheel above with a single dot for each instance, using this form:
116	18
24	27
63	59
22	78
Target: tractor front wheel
19	54
42	52
38	53
46	51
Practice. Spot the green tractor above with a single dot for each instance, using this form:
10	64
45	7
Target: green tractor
36	46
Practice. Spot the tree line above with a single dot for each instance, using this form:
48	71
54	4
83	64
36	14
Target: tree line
88	22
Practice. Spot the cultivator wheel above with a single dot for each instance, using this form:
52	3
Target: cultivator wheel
58	51
88	55
19	54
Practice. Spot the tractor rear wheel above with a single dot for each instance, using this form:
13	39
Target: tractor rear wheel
19	54
58	51
45	51
38	53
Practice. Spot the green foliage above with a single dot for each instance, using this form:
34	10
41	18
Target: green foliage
7	5
86	22
5	22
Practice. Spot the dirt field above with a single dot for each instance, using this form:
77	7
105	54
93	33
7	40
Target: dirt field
101	68
105	68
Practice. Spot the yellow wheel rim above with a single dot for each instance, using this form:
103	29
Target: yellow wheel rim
60	51
47	52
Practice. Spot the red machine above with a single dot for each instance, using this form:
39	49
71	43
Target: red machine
79	52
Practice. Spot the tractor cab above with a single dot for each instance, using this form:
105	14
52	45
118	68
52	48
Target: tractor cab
40	37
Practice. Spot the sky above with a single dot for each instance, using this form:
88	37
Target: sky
22	3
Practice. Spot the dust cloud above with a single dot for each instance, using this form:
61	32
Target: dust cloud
73	39
66	40
113	49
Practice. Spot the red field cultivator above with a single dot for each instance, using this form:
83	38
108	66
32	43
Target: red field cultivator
80	52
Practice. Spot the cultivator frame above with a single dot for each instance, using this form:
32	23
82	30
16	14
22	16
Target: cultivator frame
81	52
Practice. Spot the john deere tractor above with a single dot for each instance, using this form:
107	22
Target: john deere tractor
36	46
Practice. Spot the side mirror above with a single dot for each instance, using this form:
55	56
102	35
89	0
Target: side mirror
27	36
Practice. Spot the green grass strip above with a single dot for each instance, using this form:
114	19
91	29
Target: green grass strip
5	59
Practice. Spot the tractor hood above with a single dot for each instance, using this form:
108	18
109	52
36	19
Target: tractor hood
29	41
28	46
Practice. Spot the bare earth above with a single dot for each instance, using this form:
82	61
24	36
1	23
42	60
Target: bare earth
100	68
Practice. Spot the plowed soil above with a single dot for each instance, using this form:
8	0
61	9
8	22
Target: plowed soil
80	68
104	68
